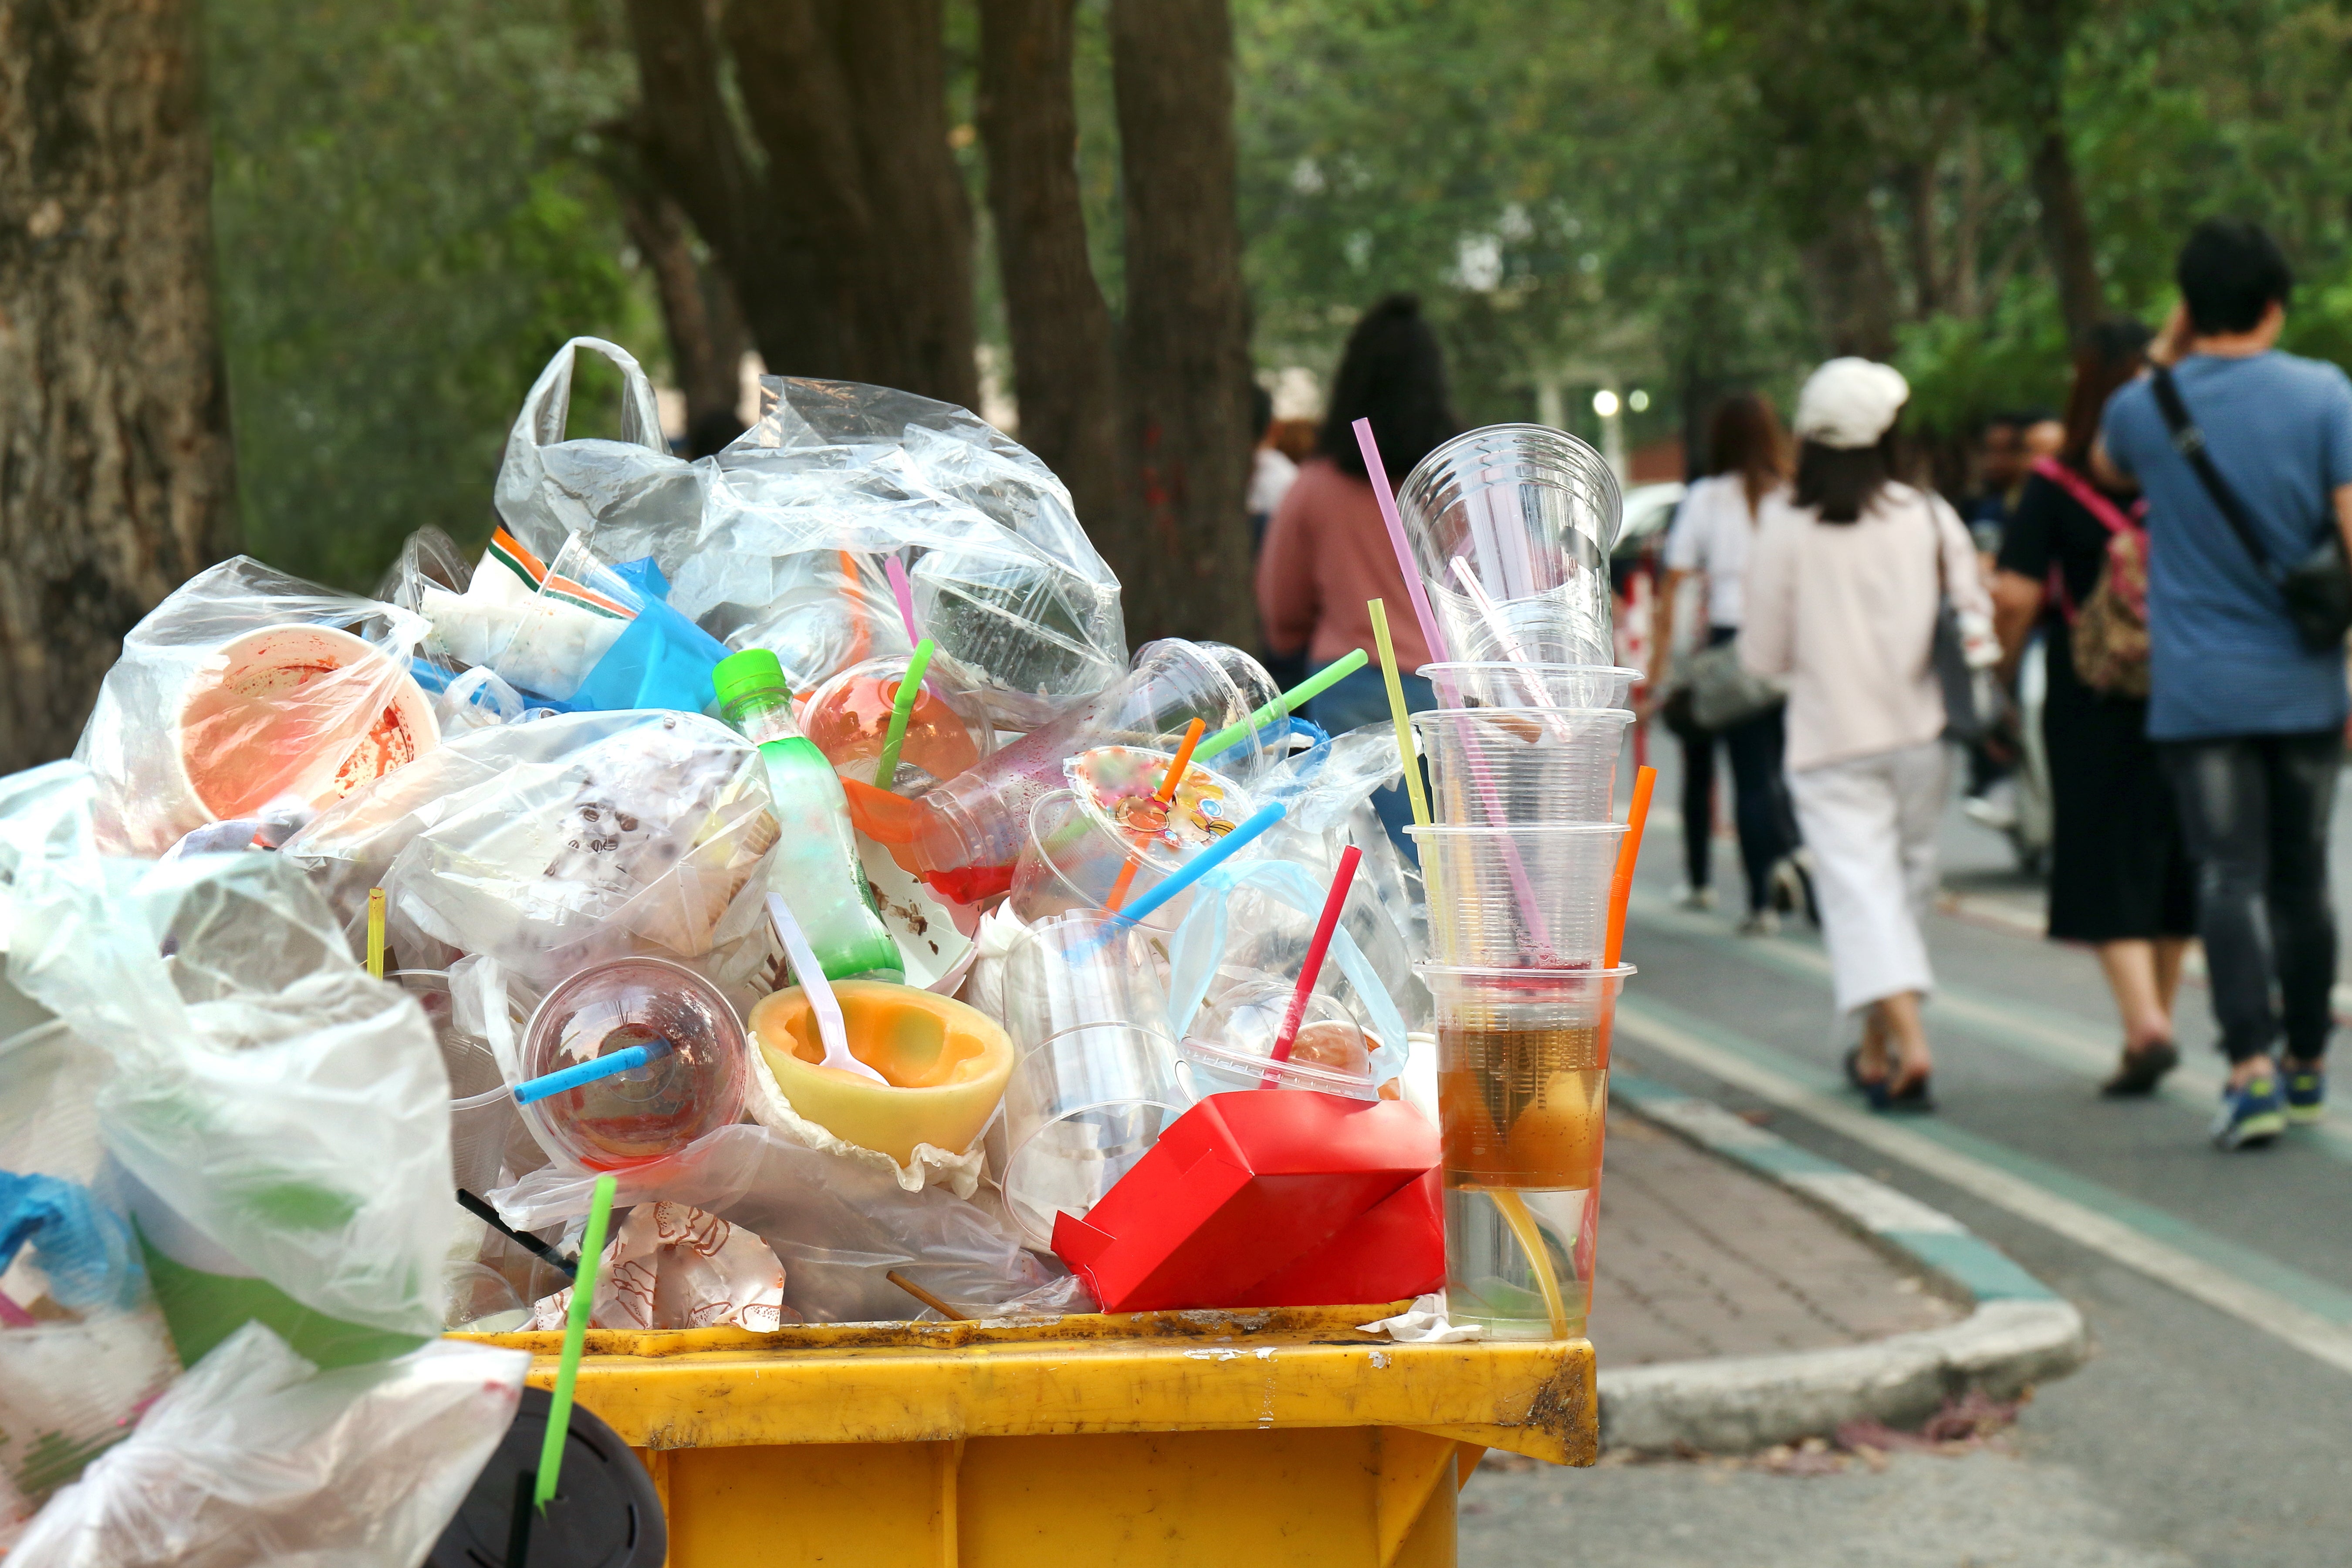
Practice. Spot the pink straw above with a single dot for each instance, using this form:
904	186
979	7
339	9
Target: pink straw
1397	541
1333	902
904	592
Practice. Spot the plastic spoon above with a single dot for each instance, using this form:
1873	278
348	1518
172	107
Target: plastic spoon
822	1001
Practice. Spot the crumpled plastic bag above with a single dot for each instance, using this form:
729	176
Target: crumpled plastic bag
1424	1324
674	1266
838	1227
244	686
256	1457
777	541
769	1106
83	1349
267	1095
983	985
554	843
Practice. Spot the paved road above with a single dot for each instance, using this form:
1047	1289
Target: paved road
2214	1425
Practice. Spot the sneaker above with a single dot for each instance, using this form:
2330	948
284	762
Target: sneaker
2251	1117
1761	922
1996	808
2306	1094
1690	897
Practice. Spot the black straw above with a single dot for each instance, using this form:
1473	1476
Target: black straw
528	1243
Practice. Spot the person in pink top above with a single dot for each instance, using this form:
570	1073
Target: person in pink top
1327	552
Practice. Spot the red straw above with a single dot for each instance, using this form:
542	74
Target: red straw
1628	852
1397	541
1333	902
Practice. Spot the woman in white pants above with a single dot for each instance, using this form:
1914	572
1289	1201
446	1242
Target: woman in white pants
1843	587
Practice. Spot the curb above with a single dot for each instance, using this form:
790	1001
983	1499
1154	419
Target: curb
2020	1331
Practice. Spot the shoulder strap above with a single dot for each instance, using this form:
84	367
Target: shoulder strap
2084	492
2189	442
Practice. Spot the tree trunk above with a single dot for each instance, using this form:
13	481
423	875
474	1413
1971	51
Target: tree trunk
2066	231
1852	290
116	467
1185	361
697	306
1064	373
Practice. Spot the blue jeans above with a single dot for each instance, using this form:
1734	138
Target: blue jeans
1360	698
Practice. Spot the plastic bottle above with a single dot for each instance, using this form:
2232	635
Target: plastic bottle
816	860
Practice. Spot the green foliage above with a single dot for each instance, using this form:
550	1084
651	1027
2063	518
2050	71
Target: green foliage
408	224
1962	369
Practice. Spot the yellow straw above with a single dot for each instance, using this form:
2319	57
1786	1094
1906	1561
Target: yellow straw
1513	1210
1396	710
375	932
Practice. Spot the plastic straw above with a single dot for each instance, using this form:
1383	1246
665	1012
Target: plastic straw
522	1238
819	990
1282	707
902	704
603	1067
1333	903
1163	794
926	1298
1380	613
575	1335
1628	854
1379	475
904	592
375	932
1192	870
1513	1210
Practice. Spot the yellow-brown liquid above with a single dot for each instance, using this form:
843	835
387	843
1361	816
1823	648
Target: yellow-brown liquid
1522	1108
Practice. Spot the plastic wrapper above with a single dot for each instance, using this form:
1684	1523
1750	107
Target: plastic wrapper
83	1349
778	541
838	1227
243	687
554	843
674	1266
256	1457
271	1103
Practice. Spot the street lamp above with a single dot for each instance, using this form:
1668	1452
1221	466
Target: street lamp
1604	403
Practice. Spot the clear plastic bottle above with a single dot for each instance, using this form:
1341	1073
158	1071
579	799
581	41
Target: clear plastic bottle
816	860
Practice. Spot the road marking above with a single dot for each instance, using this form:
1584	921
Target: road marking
2308	1314
2022	1029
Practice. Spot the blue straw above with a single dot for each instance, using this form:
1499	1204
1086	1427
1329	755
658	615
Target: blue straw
1198	867
620	1061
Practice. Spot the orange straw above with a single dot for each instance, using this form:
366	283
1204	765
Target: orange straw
1621	886
1163	794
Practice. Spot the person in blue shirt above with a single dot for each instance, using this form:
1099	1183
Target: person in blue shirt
2248	723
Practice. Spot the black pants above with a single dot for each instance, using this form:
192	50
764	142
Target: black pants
1768	829
2255	811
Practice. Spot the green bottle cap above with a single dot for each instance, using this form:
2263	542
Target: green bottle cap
748	674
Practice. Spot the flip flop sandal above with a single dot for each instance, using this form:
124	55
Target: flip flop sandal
2141	1071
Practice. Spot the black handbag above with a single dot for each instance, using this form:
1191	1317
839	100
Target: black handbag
2318	588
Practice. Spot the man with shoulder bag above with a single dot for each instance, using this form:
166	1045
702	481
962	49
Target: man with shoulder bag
2245	456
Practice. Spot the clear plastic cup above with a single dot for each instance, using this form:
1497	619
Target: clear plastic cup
1500	767
1530	512
1511	683
484	1123
848	717
1519	898
1086	1000
1522	1095
694	1084
1232	1044
1108	836
969	831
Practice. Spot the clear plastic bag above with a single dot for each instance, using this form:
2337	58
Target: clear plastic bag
244	688
256	1457
268	1100
554	843
778	541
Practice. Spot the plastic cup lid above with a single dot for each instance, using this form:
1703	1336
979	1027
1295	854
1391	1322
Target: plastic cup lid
605	1512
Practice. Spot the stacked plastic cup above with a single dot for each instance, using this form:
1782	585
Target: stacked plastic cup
1510	527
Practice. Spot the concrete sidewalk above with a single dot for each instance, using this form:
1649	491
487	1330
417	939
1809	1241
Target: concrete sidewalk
1750	1293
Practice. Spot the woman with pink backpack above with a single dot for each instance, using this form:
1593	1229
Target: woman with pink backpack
2074	563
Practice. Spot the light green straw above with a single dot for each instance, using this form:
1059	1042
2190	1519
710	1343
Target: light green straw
576	1334
910	687
1313	686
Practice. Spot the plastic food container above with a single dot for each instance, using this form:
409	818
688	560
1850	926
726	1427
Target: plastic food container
1232	1044
947	1065
1499	767
1514	897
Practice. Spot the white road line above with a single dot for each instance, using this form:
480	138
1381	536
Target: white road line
2111	1238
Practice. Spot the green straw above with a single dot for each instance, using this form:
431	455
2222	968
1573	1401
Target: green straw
576	1334
911	686
1313	686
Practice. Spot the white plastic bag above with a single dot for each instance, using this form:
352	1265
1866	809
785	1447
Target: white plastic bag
256	1456
244	687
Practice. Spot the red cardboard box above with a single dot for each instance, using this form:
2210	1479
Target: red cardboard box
1269	1198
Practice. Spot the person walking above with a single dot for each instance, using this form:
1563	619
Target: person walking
1748	462
2247	716
1327	552
1843	600
2073	564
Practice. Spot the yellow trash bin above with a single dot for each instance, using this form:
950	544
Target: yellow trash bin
1147	1440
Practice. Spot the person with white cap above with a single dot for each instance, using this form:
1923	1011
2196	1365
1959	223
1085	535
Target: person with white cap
1845	584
